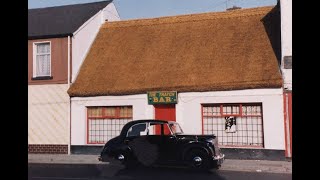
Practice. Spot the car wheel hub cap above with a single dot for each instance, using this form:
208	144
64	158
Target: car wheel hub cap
197	160
121	157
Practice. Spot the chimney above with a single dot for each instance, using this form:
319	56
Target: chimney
233	8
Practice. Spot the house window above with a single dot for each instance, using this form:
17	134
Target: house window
42	59
105	123
234	124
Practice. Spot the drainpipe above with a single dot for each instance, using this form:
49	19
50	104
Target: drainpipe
69	113
68	61
288	126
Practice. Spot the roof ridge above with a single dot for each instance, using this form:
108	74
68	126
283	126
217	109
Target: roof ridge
97	2
190	17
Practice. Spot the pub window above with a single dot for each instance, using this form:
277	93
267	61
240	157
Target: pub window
105	123
234	124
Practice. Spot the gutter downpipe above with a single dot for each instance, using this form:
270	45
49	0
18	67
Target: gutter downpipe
69	109
287	126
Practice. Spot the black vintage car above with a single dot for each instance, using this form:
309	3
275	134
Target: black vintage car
158	142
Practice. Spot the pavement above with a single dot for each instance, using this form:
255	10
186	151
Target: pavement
265	166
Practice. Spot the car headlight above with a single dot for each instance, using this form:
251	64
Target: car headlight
210	141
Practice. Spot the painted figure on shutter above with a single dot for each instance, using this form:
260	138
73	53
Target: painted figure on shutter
230	124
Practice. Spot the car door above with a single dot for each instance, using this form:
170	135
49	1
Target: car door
160	135
168	146
135	131
143	148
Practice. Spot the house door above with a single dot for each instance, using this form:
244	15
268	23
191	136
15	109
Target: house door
165	112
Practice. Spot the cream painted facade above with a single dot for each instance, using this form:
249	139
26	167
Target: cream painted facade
188	111
48	111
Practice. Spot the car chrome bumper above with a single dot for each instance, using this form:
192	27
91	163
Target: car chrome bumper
217	160
219	157
109	160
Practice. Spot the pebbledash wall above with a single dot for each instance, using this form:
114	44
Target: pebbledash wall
48	107
189	116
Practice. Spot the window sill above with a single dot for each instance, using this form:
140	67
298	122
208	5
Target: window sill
42	78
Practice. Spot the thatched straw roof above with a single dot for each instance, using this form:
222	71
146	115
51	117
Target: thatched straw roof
190	53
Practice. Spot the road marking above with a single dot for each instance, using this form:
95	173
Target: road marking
56	178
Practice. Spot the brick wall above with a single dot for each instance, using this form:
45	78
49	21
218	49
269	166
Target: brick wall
47	149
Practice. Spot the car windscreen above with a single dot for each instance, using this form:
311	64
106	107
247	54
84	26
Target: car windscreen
175	128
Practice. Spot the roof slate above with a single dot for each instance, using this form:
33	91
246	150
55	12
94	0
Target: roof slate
60	21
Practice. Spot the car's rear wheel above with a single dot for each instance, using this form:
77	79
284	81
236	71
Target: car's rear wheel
198	159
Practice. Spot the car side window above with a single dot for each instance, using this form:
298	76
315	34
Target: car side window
159	129
154	129
137	130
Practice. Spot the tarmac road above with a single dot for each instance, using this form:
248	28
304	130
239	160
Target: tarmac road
39	171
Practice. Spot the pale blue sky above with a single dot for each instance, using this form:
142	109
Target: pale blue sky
134	9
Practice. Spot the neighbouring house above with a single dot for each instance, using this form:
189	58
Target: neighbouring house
213	73
58	41
286	68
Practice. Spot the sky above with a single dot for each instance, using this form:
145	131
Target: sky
137	9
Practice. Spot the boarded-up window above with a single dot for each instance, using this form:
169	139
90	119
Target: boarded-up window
105	123
234	124
287	60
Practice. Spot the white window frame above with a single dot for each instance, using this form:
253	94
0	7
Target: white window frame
35	58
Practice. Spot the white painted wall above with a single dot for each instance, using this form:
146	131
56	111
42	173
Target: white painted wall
139	103
83	38
286	39
110	12
188	111
48	118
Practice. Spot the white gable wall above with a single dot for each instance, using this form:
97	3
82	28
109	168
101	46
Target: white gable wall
83	38
286	39
188	111
110	12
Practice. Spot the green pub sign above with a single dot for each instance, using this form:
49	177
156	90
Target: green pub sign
162	97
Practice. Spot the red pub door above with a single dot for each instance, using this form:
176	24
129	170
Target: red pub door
165	112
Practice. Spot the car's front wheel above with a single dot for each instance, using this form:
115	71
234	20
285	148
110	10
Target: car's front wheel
198	159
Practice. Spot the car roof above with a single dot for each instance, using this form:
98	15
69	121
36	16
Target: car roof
147	120
133	122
